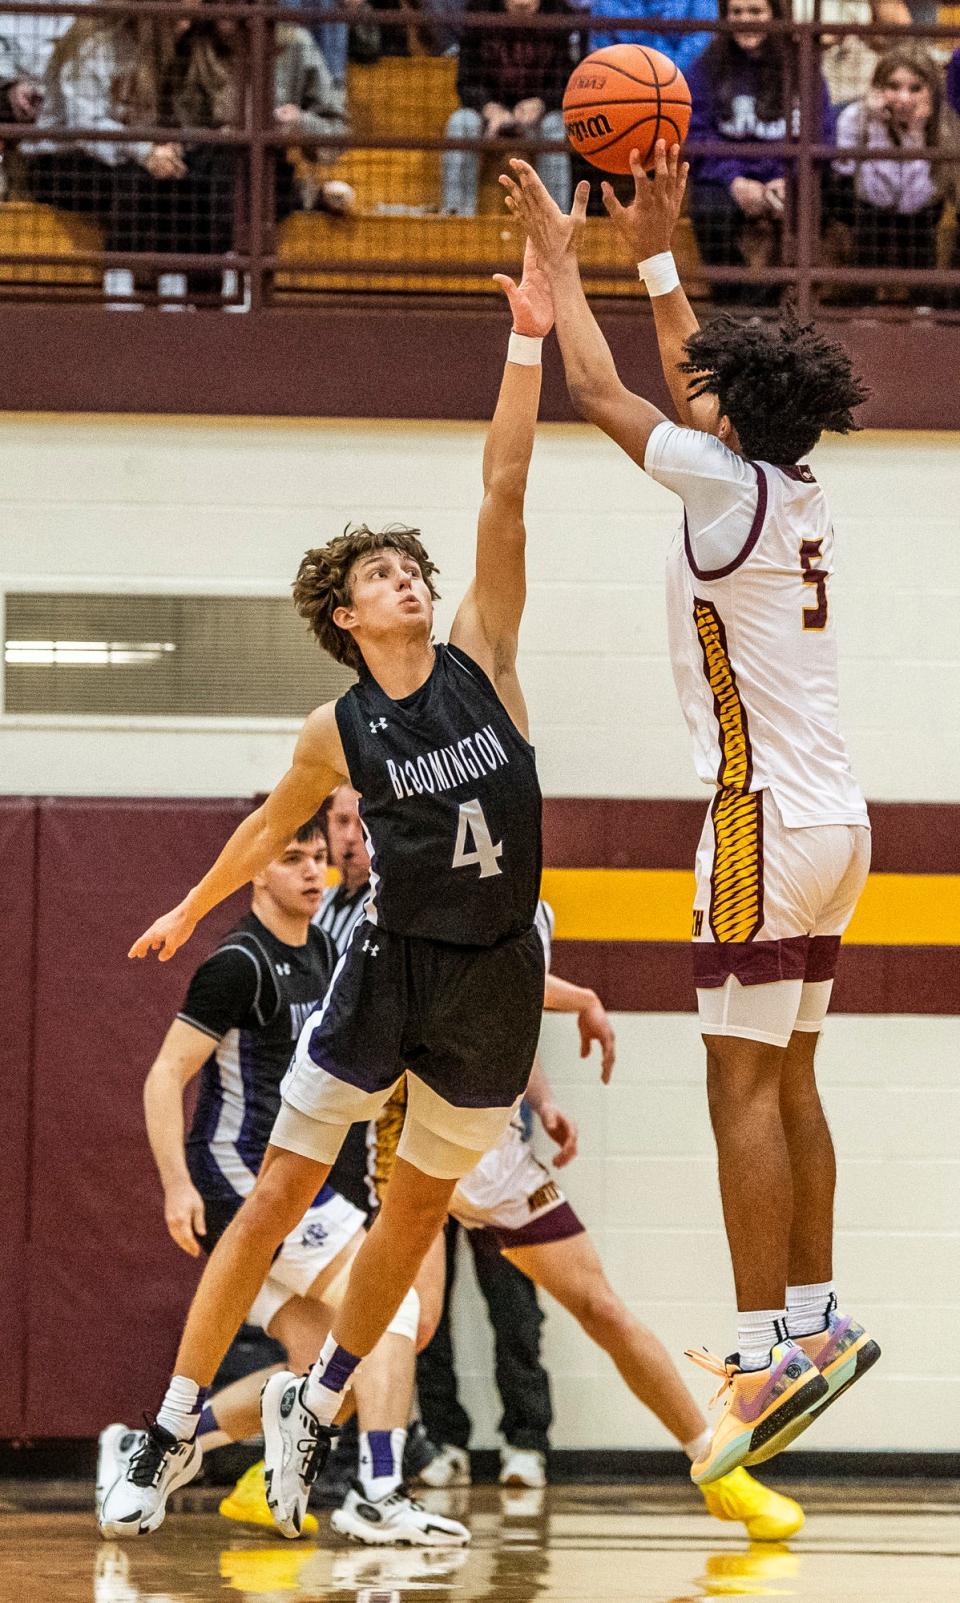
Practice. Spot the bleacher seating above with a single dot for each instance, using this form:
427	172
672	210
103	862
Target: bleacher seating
396	226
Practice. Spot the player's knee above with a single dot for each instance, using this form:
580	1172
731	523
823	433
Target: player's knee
268	1214
603	1315
740	1072
431	1308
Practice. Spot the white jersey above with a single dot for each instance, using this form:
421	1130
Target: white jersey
752	639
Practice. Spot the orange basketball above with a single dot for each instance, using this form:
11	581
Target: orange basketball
623	98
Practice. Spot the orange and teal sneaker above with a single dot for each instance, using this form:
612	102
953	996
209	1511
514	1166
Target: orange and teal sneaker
842	1353
247	1503
758	1404
768	1516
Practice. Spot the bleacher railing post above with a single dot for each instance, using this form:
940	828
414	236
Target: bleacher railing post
807	221
254	120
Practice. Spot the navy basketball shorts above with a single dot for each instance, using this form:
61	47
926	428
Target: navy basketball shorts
463	1023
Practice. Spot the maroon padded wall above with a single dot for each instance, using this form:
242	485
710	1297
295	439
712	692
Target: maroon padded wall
17	826
107	1287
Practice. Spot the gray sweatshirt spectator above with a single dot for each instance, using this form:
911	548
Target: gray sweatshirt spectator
305	94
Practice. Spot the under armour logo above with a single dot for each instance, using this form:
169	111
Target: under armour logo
376	724
373	950
283	968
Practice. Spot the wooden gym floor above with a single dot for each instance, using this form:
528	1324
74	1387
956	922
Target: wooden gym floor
882	1543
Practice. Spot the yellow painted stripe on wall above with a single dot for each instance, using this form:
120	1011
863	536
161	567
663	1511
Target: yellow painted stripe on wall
654	904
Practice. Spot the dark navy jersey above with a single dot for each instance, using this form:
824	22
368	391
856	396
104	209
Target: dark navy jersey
451	805
252	997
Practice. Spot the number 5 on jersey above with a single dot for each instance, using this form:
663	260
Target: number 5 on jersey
484	852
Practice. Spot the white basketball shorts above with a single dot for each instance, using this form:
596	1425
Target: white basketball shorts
513	1194
770	906
307	1251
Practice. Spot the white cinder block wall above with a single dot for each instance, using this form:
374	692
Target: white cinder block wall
229	506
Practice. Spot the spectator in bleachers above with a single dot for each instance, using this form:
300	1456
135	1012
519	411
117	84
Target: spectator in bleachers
953	82
683	48
26	45
109	74
895	207
421	29
847	60
739	87
311	107
510	84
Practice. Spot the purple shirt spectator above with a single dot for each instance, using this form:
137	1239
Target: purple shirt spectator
738	115
953	81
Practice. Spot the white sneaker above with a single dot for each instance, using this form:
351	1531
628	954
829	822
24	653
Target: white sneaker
450	1467
119	290
295	1449
137	1502
116	1447
395	1520
172	292
522	1466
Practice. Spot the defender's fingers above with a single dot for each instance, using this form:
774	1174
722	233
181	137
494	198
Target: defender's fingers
578	210
507	182
522	168
660	158
506	284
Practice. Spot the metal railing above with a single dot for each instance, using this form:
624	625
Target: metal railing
396	235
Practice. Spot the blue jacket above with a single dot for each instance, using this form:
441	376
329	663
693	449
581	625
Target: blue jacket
741	124
682	48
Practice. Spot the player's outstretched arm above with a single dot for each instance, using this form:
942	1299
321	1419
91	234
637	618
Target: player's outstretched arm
558	1125
181	1057
487	624
591	374
593	1021
646	228
318	766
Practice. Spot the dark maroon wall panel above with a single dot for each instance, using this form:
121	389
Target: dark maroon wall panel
17	827
107	1286
378	356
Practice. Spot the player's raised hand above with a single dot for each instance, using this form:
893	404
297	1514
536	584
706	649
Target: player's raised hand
184	1216
554	234
563	1130
531	301
594	1025
166	936
647	225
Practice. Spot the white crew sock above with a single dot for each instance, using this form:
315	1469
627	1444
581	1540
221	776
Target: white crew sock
180	1409
809	1308
328	1380
381	1461
699	1445
757	1330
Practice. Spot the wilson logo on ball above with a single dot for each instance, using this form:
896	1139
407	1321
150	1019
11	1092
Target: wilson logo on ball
591	129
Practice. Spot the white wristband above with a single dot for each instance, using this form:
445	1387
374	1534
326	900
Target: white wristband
524	349
659	273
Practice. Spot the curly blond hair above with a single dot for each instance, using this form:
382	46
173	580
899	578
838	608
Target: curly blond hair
323	581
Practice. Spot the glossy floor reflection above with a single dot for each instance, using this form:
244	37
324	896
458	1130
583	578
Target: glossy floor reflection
878	1544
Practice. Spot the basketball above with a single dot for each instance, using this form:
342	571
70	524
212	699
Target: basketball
622	98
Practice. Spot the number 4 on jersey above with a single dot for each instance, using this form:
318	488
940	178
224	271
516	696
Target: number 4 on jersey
484	853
